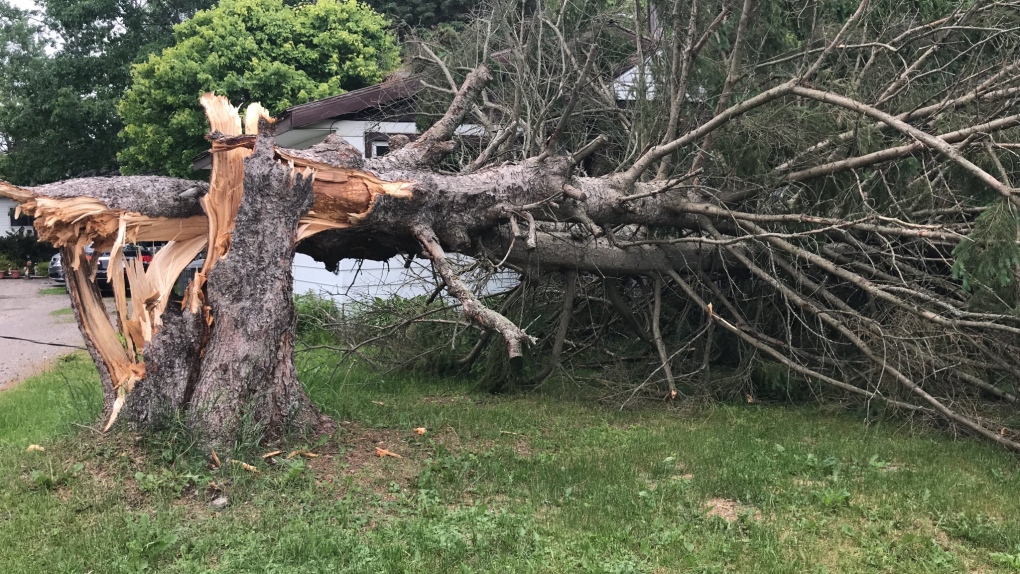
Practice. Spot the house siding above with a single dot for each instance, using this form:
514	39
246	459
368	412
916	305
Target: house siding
6	205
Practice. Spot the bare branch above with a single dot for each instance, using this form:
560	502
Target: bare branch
473	308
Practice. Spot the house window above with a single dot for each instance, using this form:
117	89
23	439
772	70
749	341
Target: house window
380	149
23	221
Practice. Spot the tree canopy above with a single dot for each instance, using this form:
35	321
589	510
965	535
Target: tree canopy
62	72
419	14
248	50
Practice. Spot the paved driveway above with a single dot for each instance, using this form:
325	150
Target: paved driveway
26	314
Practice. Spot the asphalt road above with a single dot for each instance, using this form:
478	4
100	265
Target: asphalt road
26	314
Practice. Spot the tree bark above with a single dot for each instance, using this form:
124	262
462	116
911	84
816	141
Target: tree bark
247	372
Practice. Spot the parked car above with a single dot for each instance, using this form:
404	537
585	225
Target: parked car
130	252
56	269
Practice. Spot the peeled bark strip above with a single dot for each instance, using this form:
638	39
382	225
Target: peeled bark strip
100	338
225	190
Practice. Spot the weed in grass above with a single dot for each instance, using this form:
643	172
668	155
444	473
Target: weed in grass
294	471
832	497
52	478
145	542
1008	560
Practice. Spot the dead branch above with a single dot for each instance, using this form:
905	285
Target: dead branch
473	308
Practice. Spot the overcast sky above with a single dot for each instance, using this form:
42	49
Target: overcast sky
23	4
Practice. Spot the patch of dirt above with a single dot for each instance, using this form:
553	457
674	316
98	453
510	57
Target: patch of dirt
366	468
522	447
727	509
448	438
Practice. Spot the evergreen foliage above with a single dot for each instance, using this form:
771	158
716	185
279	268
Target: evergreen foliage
990	256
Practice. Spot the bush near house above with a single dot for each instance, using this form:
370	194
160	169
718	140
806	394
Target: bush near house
17	248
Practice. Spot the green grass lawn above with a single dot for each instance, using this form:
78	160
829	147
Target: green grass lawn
53	291
505	484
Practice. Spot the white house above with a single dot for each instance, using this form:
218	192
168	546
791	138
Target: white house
7	221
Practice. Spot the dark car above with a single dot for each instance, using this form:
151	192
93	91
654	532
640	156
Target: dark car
130	252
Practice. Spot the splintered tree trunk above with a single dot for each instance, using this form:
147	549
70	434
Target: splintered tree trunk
230	358
240	368
221	360
247	371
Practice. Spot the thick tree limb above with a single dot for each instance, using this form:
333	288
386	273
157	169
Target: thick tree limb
434	144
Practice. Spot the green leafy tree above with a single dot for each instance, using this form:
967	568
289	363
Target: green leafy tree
20	51
248	50
62	72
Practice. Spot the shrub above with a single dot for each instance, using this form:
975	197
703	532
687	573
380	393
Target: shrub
315	314
18	247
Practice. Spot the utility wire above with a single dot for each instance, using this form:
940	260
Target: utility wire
42	342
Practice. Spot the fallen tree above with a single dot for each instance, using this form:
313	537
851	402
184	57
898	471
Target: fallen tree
866	242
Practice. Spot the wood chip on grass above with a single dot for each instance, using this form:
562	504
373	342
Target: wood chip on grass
381	452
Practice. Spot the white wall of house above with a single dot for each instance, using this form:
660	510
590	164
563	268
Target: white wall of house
354	131
5	219
351	130
362	280
626	84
